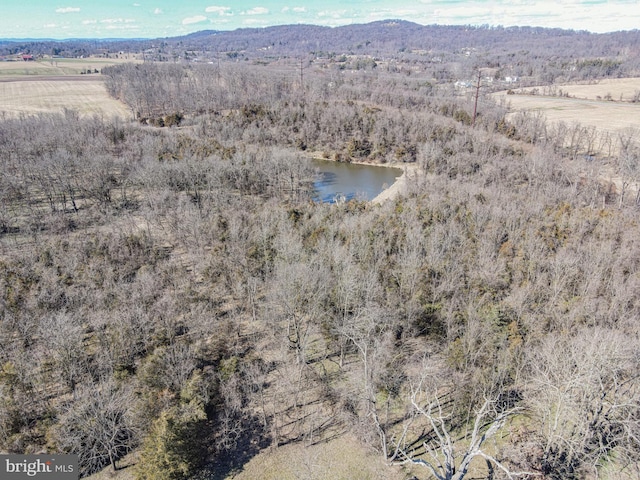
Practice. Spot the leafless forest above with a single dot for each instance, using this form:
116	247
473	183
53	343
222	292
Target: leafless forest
168	286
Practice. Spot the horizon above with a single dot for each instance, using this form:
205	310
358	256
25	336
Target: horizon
150	19
206	30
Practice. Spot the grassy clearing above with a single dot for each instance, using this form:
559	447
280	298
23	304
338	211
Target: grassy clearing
343	458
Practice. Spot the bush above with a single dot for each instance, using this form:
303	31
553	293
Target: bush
173	449
463	117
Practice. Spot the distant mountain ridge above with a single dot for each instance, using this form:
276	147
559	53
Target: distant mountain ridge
380	38
368	38
390	37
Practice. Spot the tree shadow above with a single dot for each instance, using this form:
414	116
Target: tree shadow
254	438
231	461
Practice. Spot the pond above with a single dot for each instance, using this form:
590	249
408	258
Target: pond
338	180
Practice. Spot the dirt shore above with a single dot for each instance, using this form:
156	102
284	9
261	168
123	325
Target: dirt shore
410	170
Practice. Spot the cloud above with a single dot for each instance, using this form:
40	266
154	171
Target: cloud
593	15
391	13
194	19
122	27
89	22
254	21
117	20
294	9
257	11
219	10
334	17
337	14
67	10
449	2
219	21
158	11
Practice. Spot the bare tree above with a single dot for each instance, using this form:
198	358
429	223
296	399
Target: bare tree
99	426
582	396
629	163
443	455
64	347
298	292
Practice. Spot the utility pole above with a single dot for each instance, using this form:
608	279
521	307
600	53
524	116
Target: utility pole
475	105
301	74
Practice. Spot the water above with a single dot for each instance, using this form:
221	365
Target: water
348	180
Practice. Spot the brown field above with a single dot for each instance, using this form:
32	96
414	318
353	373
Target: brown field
48	86
59	66
86	95
585	104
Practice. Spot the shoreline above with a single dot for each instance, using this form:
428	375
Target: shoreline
409	170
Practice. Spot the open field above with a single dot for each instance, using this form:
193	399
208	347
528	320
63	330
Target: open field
58	66
51	85
85	94
585	104
618	89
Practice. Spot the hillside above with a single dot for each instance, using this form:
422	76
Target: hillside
172	300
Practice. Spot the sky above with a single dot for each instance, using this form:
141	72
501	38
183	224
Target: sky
61	19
